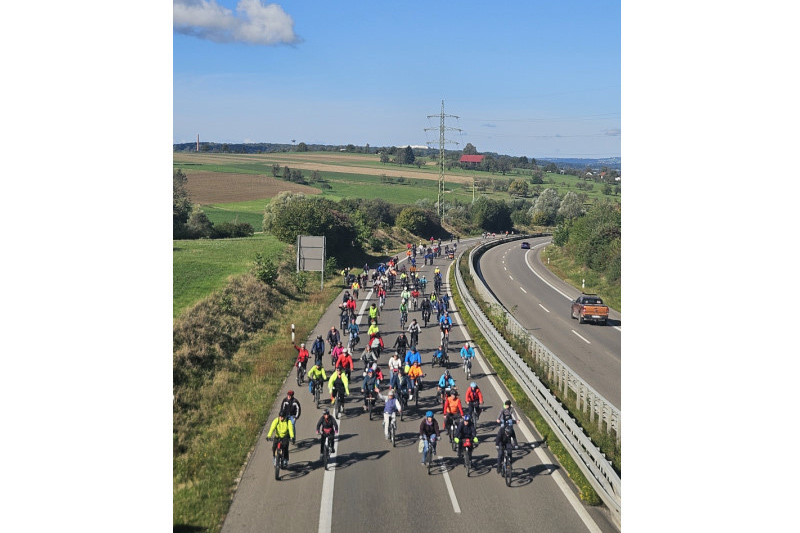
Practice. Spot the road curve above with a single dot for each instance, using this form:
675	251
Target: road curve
540	301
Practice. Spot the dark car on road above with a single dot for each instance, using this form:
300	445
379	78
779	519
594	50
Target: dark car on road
525	245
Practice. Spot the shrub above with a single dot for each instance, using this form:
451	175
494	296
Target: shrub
265	270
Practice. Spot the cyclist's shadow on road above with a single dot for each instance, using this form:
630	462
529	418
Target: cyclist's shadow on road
349	459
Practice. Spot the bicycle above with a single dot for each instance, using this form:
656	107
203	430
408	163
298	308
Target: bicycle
277	459
451	431
403	319
445	337
317	391
505	465
431	453
414	302
327	451
301	373
417	387
467	445
393	428
370	401
426	316
473	410
338	405
468	367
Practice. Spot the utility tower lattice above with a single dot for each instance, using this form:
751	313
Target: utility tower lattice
442	141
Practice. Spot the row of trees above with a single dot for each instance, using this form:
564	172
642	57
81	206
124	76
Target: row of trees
594	239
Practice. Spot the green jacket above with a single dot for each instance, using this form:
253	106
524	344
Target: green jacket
281	429
344	380
315	374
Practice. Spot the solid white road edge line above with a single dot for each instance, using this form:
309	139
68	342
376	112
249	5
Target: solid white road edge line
573	500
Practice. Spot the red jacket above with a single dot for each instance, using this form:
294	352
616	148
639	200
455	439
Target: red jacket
474	396
344	361
302	354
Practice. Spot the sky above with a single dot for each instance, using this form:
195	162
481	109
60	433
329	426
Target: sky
532	78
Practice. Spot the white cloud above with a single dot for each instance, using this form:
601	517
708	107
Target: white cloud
253	22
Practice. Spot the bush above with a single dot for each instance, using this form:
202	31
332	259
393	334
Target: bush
232	229
265	270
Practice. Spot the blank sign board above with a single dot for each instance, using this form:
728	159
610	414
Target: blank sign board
310	253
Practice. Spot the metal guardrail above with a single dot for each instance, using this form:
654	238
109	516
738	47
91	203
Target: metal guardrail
590	460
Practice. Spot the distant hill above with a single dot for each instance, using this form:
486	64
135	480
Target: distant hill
265	148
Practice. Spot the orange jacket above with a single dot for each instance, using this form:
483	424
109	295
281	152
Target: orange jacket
453	406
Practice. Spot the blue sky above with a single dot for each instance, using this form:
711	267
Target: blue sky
540	79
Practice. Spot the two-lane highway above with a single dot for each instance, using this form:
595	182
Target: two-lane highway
541	303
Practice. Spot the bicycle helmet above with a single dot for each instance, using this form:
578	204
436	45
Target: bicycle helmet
473	385
302	345
429	414
447	373
508	403
467	418
290	393
326	412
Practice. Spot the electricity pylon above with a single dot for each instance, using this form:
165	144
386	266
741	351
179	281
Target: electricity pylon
442	141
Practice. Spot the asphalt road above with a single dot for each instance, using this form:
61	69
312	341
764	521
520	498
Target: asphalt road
372	486
541	303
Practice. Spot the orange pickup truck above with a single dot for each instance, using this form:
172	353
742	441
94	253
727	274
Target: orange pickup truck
589	308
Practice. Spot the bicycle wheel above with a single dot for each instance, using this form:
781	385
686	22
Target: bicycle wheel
337	409
392	433
467	457
277	458
369	408
299	376
325	456
316	394
507	468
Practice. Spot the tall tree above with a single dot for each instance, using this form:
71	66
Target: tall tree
545	208
181	204
469	149
571	206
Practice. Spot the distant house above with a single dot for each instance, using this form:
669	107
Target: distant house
472	159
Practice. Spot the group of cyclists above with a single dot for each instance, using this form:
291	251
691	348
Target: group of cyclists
403	380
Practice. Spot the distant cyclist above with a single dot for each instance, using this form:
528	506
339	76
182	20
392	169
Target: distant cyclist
328	426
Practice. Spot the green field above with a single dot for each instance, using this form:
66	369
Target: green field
200	267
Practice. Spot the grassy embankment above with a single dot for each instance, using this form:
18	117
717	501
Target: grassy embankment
202	266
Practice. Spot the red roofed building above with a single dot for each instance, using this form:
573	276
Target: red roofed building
471	159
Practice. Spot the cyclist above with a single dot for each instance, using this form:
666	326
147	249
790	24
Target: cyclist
352	329
376	342
415	376
452	408
355	288
372	330
403	311
441	356
415	298
404	296
302	356
381	296
428	432
337	353
390	406
404	387
291	407
423	282
445	323
369	387
329	428
412	355
395	364
316	374
504	441
318	350
333	338
351	308
446	302
414	330
467	352
426	310
401	343
284	430
345	362
338	386
373	313
509	414
445	382
474	399
465	430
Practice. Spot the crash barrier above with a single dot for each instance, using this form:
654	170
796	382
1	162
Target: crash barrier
590	459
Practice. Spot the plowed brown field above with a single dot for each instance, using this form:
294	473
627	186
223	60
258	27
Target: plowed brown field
221	187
